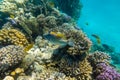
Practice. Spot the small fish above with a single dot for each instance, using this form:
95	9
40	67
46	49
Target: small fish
55	40
86	23
97	38
76	27
12	16
12	21
28	47
51	4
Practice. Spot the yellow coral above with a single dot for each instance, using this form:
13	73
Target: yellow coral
12	36
85	70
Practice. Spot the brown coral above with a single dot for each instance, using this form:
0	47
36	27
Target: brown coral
12	36
81	43
85	70
98	57
80	70
10	56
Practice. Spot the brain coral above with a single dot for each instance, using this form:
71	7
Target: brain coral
10	56
12	36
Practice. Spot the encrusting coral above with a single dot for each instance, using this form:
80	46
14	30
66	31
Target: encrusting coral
12	36
10	56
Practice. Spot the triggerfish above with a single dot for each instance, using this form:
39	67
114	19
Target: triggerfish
55	39
97	38
58	35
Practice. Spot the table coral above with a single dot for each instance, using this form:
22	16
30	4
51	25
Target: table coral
10	56
12	36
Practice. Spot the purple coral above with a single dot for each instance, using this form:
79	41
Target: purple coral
106	72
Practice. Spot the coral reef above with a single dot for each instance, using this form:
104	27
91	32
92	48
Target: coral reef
10	56
72	8
8	78
79	70
25	22
81	43
102	47
105	72
98	57
45	75
12	7
12	36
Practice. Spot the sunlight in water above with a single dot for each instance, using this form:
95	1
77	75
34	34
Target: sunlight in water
103	18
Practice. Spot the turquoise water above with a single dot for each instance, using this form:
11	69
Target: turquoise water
103	18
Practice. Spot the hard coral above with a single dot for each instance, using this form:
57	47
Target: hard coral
71	7
81	43
8	7
105	72
12	36
10	56
85	70
98	57
79	70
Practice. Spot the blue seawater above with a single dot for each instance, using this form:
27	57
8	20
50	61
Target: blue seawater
103	18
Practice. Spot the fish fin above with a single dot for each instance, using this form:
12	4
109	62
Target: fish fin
70	43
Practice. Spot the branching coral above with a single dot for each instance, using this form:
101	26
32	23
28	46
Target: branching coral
81	43
8	7
98	57
10	56
105	72
85	70
80	70
71	7
52	21
12	6
12	36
